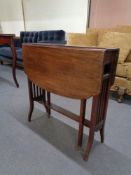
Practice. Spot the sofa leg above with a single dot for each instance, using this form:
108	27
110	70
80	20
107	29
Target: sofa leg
121	92
1	62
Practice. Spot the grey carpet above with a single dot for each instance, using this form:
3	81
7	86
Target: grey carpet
47	146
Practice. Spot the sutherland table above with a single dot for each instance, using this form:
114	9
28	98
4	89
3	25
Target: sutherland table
74	72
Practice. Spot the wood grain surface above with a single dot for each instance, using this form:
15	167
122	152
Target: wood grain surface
74	72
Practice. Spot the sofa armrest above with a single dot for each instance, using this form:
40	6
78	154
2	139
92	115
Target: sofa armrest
129	57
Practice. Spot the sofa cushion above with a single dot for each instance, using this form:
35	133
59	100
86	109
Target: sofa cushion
51	36
79	39
5	52
124	70
120	82
117	40
121	70
128	87
100	32
123	28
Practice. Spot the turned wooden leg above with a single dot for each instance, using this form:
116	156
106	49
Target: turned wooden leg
81	122
121	92
30	100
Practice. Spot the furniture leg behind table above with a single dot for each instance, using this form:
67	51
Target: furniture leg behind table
14	64
8	39
36	94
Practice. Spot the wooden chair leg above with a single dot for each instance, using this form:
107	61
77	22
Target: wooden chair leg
31	100
81	122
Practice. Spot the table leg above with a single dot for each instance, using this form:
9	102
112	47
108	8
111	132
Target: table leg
48	103
92	127
30	99
98	116
81	122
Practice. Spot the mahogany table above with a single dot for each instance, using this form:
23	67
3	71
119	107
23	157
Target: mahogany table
74	72
8	39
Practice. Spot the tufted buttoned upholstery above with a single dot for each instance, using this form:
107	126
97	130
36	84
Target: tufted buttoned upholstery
28	37
51	36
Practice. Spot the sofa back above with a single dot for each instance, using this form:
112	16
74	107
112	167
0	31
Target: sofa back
28	36
49	36
119	36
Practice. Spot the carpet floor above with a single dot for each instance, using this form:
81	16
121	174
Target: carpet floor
47	146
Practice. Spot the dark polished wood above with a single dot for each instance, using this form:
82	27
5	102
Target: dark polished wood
81	121
8	39
74	72
53	74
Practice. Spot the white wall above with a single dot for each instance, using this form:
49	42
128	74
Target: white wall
70	15
11	18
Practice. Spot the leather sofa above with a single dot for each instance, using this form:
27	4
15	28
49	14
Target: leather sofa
13	52
120	37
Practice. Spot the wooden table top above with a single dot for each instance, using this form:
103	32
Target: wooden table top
75	72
